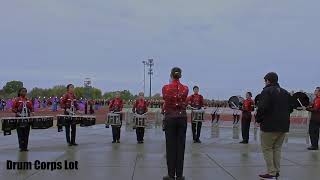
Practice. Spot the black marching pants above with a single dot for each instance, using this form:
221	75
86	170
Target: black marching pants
23	136
245	125
314	127
175	131
196	130
73	128
140	133
116	131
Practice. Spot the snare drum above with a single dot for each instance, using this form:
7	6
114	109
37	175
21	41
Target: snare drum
197	115
113	119
140	120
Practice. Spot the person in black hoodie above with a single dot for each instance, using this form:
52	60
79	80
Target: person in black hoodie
273	114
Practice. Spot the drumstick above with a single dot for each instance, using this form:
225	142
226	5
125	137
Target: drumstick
234	105
300	102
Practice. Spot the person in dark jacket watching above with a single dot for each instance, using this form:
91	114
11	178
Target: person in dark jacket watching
273	114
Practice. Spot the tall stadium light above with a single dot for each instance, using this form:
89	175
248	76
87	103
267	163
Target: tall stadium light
87	87
150	63
144	76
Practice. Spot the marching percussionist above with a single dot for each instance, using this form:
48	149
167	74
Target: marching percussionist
175	124
116	106
236	117
22	107
247	108
196	102
314	125
70	105
140	107
216	112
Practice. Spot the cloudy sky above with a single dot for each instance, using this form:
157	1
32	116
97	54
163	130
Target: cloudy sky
224	46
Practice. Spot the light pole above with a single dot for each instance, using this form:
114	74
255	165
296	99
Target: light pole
144	76
150	63
87	87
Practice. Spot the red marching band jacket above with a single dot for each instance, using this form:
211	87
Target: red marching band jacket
116	105
175	97
315	110
196	101
67	99
18	105
140	106
248	105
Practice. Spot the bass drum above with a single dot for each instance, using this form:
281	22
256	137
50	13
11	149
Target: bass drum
302	97
235	102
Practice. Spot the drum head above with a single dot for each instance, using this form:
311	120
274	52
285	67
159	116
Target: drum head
235	102
304	99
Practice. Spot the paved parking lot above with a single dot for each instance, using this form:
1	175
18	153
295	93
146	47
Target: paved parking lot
218	157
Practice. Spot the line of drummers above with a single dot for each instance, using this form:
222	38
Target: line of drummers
24	120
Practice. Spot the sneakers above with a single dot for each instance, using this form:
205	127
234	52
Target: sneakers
267	176
313	148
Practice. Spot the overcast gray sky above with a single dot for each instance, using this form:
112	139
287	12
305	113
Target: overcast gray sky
224	46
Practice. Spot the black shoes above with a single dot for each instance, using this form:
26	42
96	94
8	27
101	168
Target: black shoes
244	142
181	178
24	150
313	148
168	178
118	141
140	142
113	142
72	144
197	141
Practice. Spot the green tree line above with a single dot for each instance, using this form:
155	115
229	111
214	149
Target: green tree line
11	88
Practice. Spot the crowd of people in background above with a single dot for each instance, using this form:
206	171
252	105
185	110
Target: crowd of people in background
53	104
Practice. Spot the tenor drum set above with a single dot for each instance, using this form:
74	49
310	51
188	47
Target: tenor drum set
84	121
36	122
44	122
